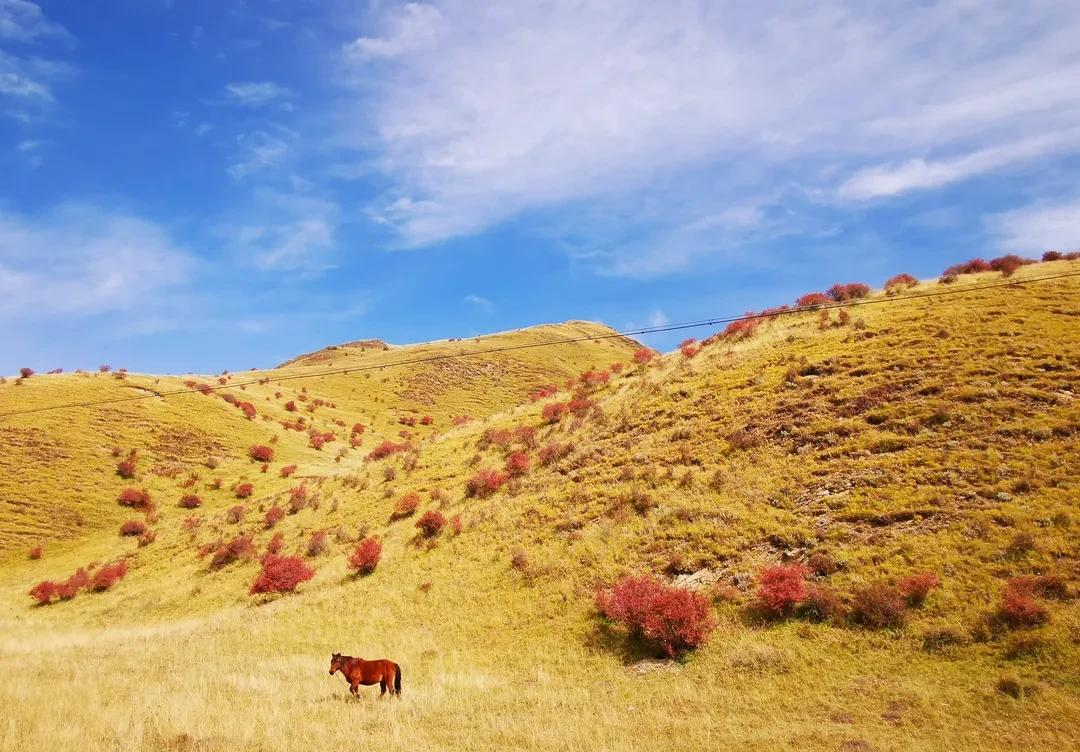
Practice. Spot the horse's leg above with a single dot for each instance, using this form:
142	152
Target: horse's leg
353	687
382	686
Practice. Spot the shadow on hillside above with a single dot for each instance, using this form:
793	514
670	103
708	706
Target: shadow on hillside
609	639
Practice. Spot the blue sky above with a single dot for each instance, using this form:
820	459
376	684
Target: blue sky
201	186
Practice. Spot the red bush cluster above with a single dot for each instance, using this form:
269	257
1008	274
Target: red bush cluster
35	553
299	498
385	449
689	348
485	482
553	412
189	501
782	587
554	452
281	574
366	556
290	406
133	527
288	470
1019	607
643	355
849	291
407	420
543	392
675	618
517	463
427	420
899	283
261	453
879	605
916	587
406	506
240	547
318	543
98	580
460	420
594	378
126	468
273	516
430	524
134	497
243	490
812	300
26	372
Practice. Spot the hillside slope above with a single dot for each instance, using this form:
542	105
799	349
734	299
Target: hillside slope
916	435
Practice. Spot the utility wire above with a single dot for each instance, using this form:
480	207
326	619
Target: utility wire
550	343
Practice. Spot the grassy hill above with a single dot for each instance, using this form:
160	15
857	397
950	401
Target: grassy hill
917	435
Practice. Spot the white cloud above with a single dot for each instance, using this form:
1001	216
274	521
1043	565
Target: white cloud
23	21
478	113
1038	228
261	150
481	303
256	93
285	231
79	261
919	174
658	318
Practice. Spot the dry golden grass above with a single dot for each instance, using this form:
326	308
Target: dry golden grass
927	437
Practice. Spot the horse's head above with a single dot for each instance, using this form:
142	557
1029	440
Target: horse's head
336	663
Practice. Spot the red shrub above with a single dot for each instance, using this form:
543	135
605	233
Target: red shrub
275	544
190	501
108	575
916	587
290	406
126	468
73	584
288	470
274	515
105	368
1052	256
299	499
35	553
385	449
554	452
240	547
821	604
781	587
689	348
974	266
594	378
813	300
484	483
281	574
460	420
579	405
235	515
44	592
455	524
1018	605
261	453
675	618
358	428
899	283
133	497
366	556
430	524
879	606
742	328
318	543
192	523
133	527
407	420
1007	265
553	412
517	463
243	490
849	291
26	372
427	420
406	506
543	392
248	410
616	368
526	436
643	355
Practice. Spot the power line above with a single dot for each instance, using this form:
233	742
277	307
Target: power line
565	341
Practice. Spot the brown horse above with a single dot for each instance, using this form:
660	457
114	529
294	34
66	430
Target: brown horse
357	671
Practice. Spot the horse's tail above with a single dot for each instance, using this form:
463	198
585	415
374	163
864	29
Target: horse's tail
397	679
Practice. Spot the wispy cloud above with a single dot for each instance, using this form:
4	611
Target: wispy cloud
481	115
26	77
1038	228
256	93
261	150
294	231
482	303
82	261
24	21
